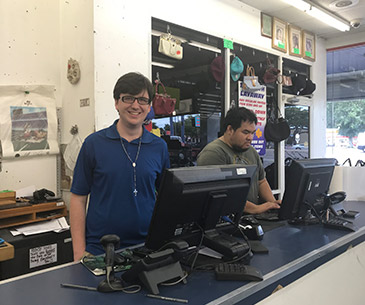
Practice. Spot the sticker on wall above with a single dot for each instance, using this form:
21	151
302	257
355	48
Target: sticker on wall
73	71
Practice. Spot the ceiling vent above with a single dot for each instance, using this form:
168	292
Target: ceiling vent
343	4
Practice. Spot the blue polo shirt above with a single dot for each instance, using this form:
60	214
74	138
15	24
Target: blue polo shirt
104	171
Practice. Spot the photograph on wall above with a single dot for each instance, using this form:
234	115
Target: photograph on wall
28	121
279	34
309	46
295	41
266	25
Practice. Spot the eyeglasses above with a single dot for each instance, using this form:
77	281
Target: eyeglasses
130	100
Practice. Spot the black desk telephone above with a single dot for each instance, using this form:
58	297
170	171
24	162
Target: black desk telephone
337	208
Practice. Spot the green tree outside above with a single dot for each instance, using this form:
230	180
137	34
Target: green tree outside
348	116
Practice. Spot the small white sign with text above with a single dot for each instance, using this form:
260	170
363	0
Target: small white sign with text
44	255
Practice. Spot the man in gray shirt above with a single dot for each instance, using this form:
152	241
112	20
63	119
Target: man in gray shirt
234	147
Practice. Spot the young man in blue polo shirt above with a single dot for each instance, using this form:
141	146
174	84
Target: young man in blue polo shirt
119	169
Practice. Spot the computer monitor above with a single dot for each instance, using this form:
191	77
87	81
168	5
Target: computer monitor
307	181
192	200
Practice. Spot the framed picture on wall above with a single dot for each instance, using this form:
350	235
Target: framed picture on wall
295	41
309	45
266	25
279	34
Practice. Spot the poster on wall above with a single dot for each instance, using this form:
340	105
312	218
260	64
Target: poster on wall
255	101
28	120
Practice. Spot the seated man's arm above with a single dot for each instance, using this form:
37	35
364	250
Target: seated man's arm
252	208
266	194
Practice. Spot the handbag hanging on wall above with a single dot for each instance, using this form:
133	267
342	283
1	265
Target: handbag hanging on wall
271	74
277	128
170	46
250	81
162	103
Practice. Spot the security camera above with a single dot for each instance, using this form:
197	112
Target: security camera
355	23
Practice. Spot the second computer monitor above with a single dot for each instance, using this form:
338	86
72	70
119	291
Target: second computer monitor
306	183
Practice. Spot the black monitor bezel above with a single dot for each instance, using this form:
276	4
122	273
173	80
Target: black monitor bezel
200	181
299	196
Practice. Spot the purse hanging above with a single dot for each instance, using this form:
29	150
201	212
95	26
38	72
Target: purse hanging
170	46
276	129
250	81
272	74
162	103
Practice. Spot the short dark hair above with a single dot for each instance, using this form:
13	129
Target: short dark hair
133	83
236	116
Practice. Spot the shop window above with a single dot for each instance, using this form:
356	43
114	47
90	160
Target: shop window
345	133
297	111
297	145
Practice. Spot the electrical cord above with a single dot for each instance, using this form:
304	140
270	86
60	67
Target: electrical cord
136	288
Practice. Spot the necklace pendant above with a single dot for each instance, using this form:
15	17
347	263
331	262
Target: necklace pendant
134	164
135	192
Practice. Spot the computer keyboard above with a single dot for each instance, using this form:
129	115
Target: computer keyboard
339	223
237	272
268	215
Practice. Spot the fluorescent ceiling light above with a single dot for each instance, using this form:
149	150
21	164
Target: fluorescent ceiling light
158	34
204	46
299	4
162	65
192	43
328	19
320	14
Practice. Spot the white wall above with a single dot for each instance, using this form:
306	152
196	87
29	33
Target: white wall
345	41
29	54
337	282
77	42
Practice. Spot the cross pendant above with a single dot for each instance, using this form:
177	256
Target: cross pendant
135	192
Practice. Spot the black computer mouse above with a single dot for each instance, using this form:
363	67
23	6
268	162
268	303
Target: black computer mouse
178	245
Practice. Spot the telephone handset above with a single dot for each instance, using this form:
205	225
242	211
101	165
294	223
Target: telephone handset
337	197
336	206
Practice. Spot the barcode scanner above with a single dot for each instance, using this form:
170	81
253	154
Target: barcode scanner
110	242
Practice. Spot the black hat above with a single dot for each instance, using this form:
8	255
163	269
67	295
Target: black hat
299	84
309	88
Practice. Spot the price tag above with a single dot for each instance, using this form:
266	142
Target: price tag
228	44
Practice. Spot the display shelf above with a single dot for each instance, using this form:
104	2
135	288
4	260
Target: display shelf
33	213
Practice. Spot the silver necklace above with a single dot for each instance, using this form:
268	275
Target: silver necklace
134	164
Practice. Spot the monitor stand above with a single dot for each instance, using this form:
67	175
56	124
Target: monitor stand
229	246
308	219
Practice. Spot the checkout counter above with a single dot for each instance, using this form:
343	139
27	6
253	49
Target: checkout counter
293	252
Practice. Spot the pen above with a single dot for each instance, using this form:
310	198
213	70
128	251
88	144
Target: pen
79	287
166	298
